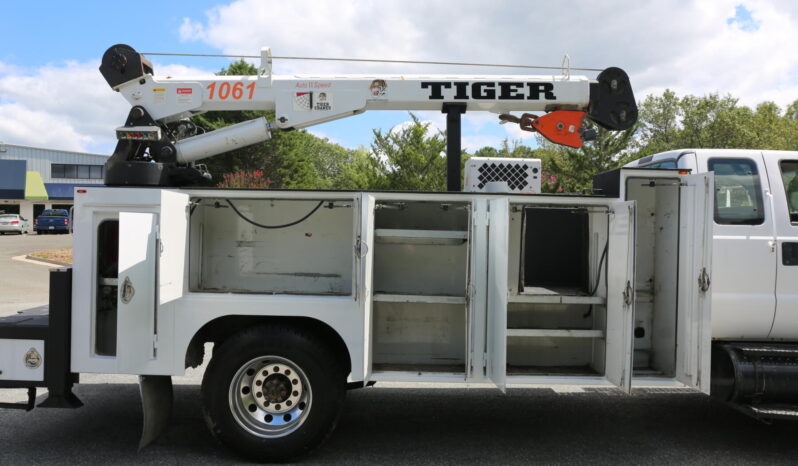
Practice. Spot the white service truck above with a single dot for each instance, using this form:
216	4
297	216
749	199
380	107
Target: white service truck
305	294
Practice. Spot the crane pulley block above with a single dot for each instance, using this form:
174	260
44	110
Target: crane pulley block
563	127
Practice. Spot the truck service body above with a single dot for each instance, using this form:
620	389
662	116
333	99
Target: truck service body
307	293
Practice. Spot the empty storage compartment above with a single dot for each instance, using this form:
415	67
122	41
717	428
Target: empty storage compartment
420	274
555	339
555	245
308	247
556	312
656	270
419	337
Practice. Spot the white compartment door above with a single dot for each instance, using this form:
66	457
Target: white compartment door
477	291
498	249
694	326
364	252
137	296
620	295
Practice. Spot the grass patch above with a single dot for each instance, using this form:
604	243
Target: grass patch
59	255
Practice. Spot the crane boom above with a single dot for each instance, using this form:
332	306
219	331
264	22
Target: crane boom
149	154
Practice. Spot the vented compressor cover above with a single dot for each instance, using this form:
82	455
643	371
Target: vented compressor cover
502	175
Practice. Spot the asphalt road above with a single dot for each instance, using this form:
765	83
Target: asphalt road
24	285
423	426
386	424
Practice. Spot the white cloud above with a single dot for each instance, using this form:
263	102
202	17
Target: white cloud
740	47
64	106
693	46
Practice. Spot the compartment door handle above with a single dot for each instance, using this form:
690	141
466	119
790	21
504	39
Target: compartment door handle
127	291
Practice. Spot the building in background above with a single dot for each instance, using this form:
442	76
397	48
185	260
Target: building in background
33	179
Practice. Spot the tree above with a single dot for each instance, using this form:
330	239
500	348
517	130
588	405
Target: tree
410	157
571	170
290	159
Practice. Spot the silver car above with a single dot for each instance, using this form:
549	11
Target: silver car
13	223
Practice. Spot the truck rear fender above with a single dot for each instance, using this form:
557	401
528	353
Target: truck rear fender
220	329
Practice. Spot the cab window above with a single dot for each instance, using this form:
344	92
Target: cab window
789	175
738	193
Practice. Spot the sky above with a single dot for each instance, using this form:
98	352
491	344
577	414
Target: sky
52	94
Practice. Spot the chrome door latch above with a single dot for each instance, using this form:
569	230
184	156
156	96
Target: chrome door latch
628	294
703	280
127	291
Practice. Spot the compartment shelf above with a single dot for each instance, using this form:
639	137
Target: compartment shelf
556	299
389	235
556	333
417	298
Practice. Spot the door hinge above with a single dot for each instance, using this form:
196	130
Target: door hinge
704	280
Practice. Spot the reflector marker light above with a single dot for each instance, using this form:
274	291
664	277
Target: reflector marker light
138	133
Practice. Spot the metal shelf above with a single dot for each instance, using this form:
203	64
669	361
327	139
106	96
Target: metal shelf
385	235
556	333
418	298
556	299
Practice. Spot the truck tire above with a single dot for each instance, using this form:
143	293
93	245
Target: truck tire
273	393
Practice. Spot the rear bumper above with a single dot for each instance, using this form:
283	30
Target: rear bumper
10	229
35	349
51	227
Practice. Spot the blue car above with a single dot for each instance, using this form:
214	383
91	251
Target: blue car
52	221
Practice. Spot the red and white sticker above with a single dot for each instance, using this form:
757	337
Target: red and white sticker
185	95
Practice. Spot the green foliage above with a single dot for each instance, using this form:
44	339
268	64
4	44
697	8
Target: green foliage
669	122
290	159
410	158
573	169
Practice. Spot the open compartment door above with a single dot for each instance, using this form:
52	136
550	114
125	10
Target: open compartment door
137	295
364	278
620	295
694	329
498	250
477	297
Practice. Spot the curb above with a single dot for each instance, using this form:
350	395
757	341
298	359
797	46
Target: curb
48	261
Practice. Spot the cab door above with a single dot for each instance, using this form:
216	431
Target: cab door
744	252
782	170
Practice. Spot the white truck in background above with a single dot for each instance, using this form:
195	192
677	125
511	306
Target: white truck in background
305	294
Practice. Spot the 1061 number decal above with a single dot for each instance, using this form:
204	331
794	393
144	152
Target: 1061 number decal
224	90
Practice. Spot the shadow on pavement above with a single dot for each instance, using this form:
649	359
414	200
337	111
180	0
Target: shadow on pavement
423	426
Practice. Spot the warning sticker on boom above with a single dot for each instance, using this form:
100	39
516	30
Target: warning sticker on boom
185	95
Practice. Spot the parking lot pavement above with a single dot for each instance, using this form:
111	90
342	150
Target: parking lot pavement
423	426
24	285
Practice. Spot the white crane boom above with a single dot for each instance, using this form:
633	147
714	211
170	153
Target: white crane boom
303	101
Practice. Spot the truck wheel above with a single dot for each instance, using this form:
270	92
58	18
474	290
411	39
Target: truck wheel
273	393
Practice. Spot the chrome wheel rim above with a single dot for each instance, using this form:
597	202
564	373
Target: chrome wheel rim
270	396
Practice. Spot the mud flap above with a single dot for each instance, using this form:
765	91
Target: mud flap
156	403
